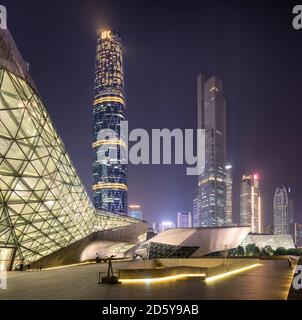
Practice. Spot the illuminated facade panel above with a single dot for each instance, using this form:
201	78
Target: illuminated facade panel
43	204
229	195
135	211
274	241
109	179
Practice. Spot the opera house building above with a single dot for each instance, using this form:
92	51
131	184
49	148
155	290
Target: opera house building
44	207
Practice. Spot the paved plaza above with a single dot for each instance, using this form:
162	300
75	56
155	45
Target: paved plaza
271	280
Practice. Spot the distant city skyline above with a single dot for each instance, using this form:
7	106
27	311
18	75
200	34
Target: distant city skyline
161	87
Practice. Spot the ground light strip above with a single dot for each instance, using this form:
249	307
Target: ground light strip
226	274
151	280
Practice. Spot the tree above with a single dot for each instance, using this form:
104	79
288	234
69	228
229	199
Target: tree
299	252
281	251
252	250
240	251
292	251
267	251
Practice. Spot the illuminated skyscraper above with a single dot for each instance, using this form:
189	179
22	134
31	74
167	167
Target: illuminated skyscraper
229	195
109	169
195	212
184	220
212	182
283	212
250	203
135	211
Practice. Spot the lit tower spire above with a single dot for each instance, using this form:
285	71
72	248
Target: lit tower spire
109	179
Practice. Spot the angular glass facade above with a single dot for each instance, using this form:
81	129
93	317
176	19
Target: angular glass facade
166	251
43	205
110	179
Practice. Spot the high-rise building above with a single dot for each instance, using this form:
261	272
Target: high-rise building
229	195
298	235
195	212
135	211
250	203
109	147
184	220
283	212
212	182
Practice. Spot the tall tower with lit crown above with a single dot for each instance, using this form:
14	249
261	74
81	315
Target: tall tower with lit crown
283	212
250	203
211	194
109	168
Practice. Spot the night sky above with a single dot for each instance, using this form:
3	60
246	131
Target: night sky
250	45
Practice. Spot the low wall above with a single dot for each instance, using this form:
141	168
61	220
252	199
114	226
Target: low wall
214	271
158	272
169	267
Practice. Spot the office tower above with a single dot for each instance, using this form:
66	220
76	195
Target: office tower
229	195
250	203
164	225
195	212
298	235
135	211
184	220
212	182
283	212
109	147
44	206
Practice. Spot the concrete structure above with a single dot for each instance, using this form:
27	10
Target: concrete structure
117	242
275	241
43	204
192	242
212	182
184	220
250	203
